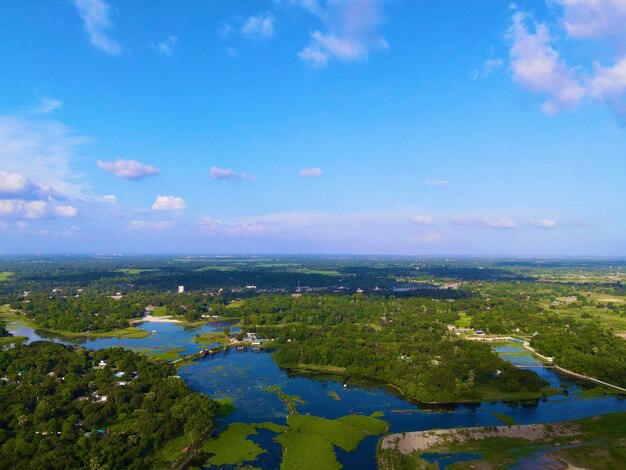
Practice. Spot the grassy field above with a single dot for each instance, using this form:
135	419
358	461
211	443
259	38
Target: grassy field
464	321
5	276
135	271
159	311
165	354
210	338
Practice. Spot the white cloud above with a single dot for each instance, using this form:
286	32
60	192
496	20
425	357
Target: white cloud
66	211
261	26
128	169
422	220
503	222
209	222
150	224
110	198
41	151
594	18
17	208
17	186
168	203
537	66
166	47
436	182
35	209
311	172
227	174
543	223
96	16
485	222
48	106
351	31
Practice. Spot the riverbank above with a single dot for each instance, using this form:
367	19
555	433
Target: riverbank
594	443
11	316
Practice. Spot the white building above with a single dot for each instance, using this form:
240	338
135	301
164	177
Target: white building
181	289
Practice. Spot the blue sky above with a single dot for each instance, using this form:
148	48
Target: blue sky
313	126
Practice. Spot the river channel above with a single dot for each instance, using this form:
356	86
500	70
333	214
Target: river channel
243	375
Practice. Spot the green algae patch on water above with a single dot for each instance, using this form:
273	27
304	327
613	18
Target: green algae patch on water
506	419
309	441
232	446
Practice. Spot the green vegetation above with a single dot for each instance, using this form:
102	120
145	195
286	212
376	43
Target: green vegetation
210	338
232	447
67	407
159	311
309	441
505	419
413	350
593	443
166	354
5	276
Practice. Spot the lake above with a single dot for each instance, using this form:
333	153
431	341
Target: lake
243	375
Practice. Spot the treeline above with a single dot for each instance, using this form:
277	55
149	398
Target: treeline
402	342
60	409
586	348
87	311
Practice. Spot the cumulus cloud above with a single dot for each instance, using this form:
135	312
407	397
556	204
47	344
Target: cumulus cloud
17	186
168	203
350	30
110	198
538	66
128	169
96	16
227	174
66	211
422	220
311	172
594	18
261	26
543	223
166	47
16	208
436	182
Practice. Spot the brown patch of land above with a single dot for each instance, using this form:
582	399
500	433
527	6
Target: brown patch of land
421	441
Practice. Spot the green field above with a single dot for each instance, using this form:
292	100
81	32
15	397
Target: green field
160	311
135	271
5	276
464	320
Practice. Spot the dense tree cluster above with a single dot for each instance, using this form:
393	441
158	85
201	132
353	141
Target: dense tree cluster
63	408
402	342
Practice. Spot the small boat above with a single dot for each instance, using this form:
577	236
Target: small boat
154	332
